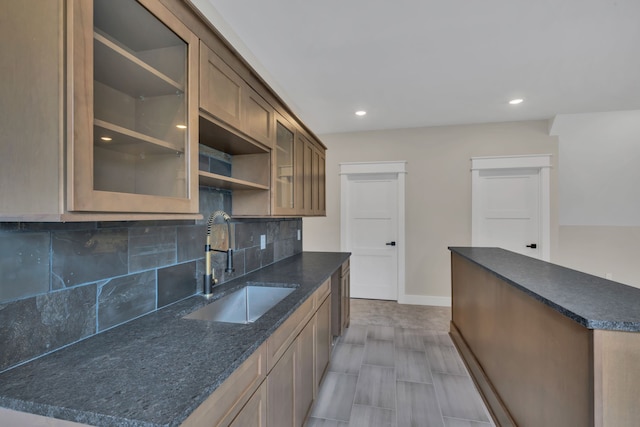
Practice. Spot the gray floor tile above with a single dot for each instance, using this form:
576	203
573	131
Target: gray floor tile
376	387
335	397
437	337
380	332
458	397
412	365
346	358
445	359
378	352
418	405
370	416
321	422
409	338
456	422
354	334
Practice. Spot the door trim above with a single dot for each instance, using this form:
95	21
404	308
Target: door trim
399	168
542	162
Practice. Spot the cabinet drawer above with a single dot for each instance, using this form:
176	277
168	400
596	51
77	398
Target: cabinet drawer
345	267
225	403
322	292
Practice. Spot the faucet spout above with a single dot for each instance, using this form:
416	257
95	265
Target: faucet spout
209	275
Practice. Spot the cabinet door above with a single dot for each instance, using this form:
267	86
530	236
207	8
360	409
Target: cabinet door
134	112
280	390
346	294
258	118
221	89
323	341
305	372
284	183
254	413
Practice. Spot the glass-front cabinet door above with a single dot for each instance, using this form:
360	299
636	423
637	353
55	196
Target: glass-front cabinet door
284	169
134	110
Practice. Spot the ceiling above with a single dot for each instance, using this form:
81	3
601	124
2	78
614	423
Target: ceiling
413	63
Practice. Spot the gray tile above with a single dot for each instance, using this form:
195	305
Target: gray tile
409	338
252	259
459	398
321	422
376	332
126	298
151	247
248	234
335	397
412	365
346	358
354	334
418	405
376	387
456	422
177	282
378	352
24	264
37	325
370	416
444	358
437	338
88	256
190	242
283	249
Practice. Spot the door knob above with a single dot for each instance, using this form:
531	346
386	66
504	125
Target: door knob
390	243
532	246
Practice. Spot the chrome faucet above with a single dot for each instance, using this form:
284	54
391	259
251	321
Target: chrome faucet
209	273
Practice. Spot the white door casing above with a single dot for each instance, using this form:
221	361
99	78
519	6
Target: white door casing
372	216
511	203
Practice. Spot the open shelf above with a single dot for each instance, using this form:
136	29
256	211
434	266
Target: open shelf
120	69
129	141
228	183
224	138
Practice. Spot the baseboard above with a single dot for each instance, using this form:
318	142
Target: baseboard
425	300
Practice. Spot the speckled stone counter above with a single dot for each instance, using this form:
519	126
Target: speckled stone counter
591	301
546	345
155	370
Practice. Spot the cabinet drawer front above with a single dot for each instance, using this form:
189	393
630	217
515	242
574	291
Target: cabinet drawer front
254	413
345	267
225	403
281	339
323	291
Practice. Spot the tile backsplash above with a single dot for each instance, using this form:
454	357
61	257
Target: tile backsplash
63	282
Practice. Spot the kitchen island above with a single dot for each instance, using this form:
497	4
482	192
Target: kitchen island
158	369
546	345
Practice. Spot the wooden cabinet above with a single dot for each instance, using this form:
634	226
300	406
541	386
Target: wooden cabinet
133	70
283	174
254	413
322	342
228	99
281	390
340	299
310	176
99	120
305	371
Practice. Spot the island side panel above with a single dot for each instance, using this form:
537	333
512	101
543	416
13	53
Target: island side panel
616	378
537	361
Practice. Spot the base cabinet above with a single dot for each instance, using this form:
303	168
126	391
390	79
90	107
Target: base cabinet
254	413
340	299
280	391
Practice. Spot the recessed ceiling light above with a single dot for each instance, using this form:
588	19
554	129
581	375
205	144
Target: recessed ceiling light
516	101
181	126
106	138
361	113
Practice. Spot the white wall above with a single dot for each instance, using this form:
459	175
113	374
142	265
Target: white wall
599	194
438	188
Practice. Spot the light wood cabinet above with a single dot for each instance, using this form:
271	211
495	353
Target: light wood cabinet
284	181
305	371
90	112
133	72
281	387
322	342
340	299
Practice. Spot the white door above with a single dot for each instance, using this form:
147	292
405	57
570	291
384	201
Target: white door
372	225
509	209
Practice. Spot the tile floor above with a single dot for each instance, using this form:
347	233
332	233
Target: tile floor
385	375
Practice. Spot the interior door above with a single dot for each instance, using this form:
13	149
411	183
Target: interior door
509	210
372	216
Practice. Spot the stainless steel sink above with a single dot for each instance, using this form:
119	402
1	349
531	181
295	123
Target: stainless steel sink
245	305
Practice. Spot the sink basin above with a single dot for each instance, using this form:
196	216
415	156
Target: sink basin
245	305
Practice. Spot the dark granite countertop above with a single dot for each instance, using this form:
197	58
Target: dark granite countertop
591	301
155	370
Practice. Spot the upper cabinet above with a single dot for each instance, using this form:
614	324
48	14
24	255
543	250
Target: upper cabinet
134	113
283	177
227	99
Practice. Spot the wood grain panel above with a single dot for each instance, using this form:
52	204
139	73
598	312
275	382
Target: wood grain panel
533	356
